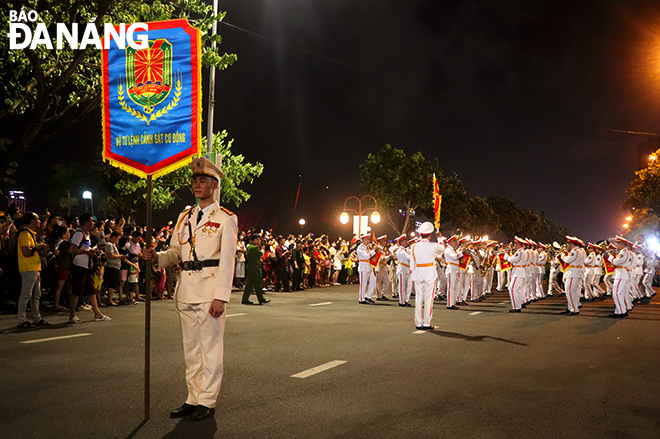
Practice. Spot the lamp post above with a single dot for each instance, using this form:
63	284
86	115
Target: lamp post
375	216
302	225
87	195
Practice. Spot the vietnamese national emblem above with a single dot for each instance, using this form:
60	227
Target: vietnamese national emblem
149	80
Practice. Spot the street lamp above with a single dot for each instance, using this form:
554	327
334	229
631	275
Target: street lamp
629	218
302	225
375	216
87	195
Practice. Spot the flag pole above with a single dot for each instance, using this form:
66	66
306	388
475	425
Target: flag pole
147	308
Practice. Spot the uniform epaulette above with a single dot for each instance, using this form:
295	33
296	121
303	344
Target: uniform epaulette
227	211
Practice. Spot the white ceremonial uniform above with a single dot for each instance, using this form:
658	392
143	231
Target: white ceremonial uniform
383	274
422	267
517	280
589	275
452	272
553	284
490	273
608	279
573	278
476	282
403	275
649	273
214	238
540	267
366	272
527	270
637	274
598	272
621	281
441	281
394	281
501	274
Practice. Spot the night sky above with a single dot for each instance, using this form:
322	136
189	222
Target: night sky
516	97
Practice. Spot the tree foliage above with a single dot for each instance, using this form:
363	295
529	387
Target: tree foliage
644	198
44	91
398	180
126	193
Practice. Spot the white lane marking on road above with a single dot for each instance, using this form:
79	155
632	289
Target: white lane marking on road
61	337
318	369
321	304
421	331
238	314
475	313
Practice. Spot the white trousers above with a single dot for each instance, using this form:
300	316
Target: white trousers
539	285
452	288
463	286
516	291
424	302
619	293
476	285
203	347
572	287
608	280
441	284
488	281
405	285
553	285
595	284
382	282
648	284
367	284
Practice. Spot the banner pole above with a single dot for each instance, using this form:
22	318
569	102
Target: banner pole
147	308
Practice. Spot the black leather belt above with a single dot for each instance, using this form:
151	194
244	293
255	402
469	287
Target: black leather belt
198	265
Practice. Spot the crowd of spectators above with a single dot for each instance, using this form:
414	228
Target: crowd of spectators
71	264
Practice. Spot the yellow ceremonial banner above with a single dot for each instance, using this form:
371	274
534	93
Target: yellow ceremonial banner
437	202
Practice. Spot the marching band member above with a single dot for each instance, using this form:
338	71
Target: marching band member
365	270
649	272
463	281
452	256
441	281
382	270
517	279
589	273
475	281
490	271
540	271
573	275
423	255
501	270
394	279
527	270
638	272
403	271
553	284
621	277
598	272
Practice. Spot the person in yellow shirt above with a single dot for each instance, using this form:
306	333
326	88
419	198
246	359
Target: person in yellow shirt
29	265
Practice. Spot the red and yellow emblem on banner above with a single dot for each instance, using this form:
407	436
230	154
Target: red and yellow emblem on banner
563	266
608	266
463	262
503	263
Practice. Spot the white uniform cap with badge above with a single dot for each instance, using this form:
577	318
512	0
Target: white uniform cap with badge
426	228
400	238
204	166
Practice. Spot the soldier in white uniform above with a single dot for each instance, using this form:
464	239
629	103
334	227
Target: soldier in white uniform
598	272
452	272
441	281
638	272
621	277
589	274
649	273
475	281
403	271
517	280
543	258
382	271
365	270
553	284
204	246
573	274
423	254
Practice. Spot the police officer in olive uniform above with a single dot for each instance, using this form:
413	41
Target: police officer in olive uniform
203	245
253	257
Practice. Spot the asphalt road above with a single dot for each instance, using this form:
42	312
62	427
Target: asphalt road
483	373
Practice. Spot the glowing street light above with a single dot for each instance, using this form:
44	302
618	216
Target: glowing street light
302	225
652	158
87	195
625	226
629	218
375	216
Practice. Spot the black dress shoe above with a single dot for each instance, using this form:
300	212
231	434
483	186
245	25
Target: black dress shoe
185	410
408	305
248	303
574	313
515	310
453	307
202	412
523	306
428	328
419	328
368	300
362	302
565	312
402	304
265	301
